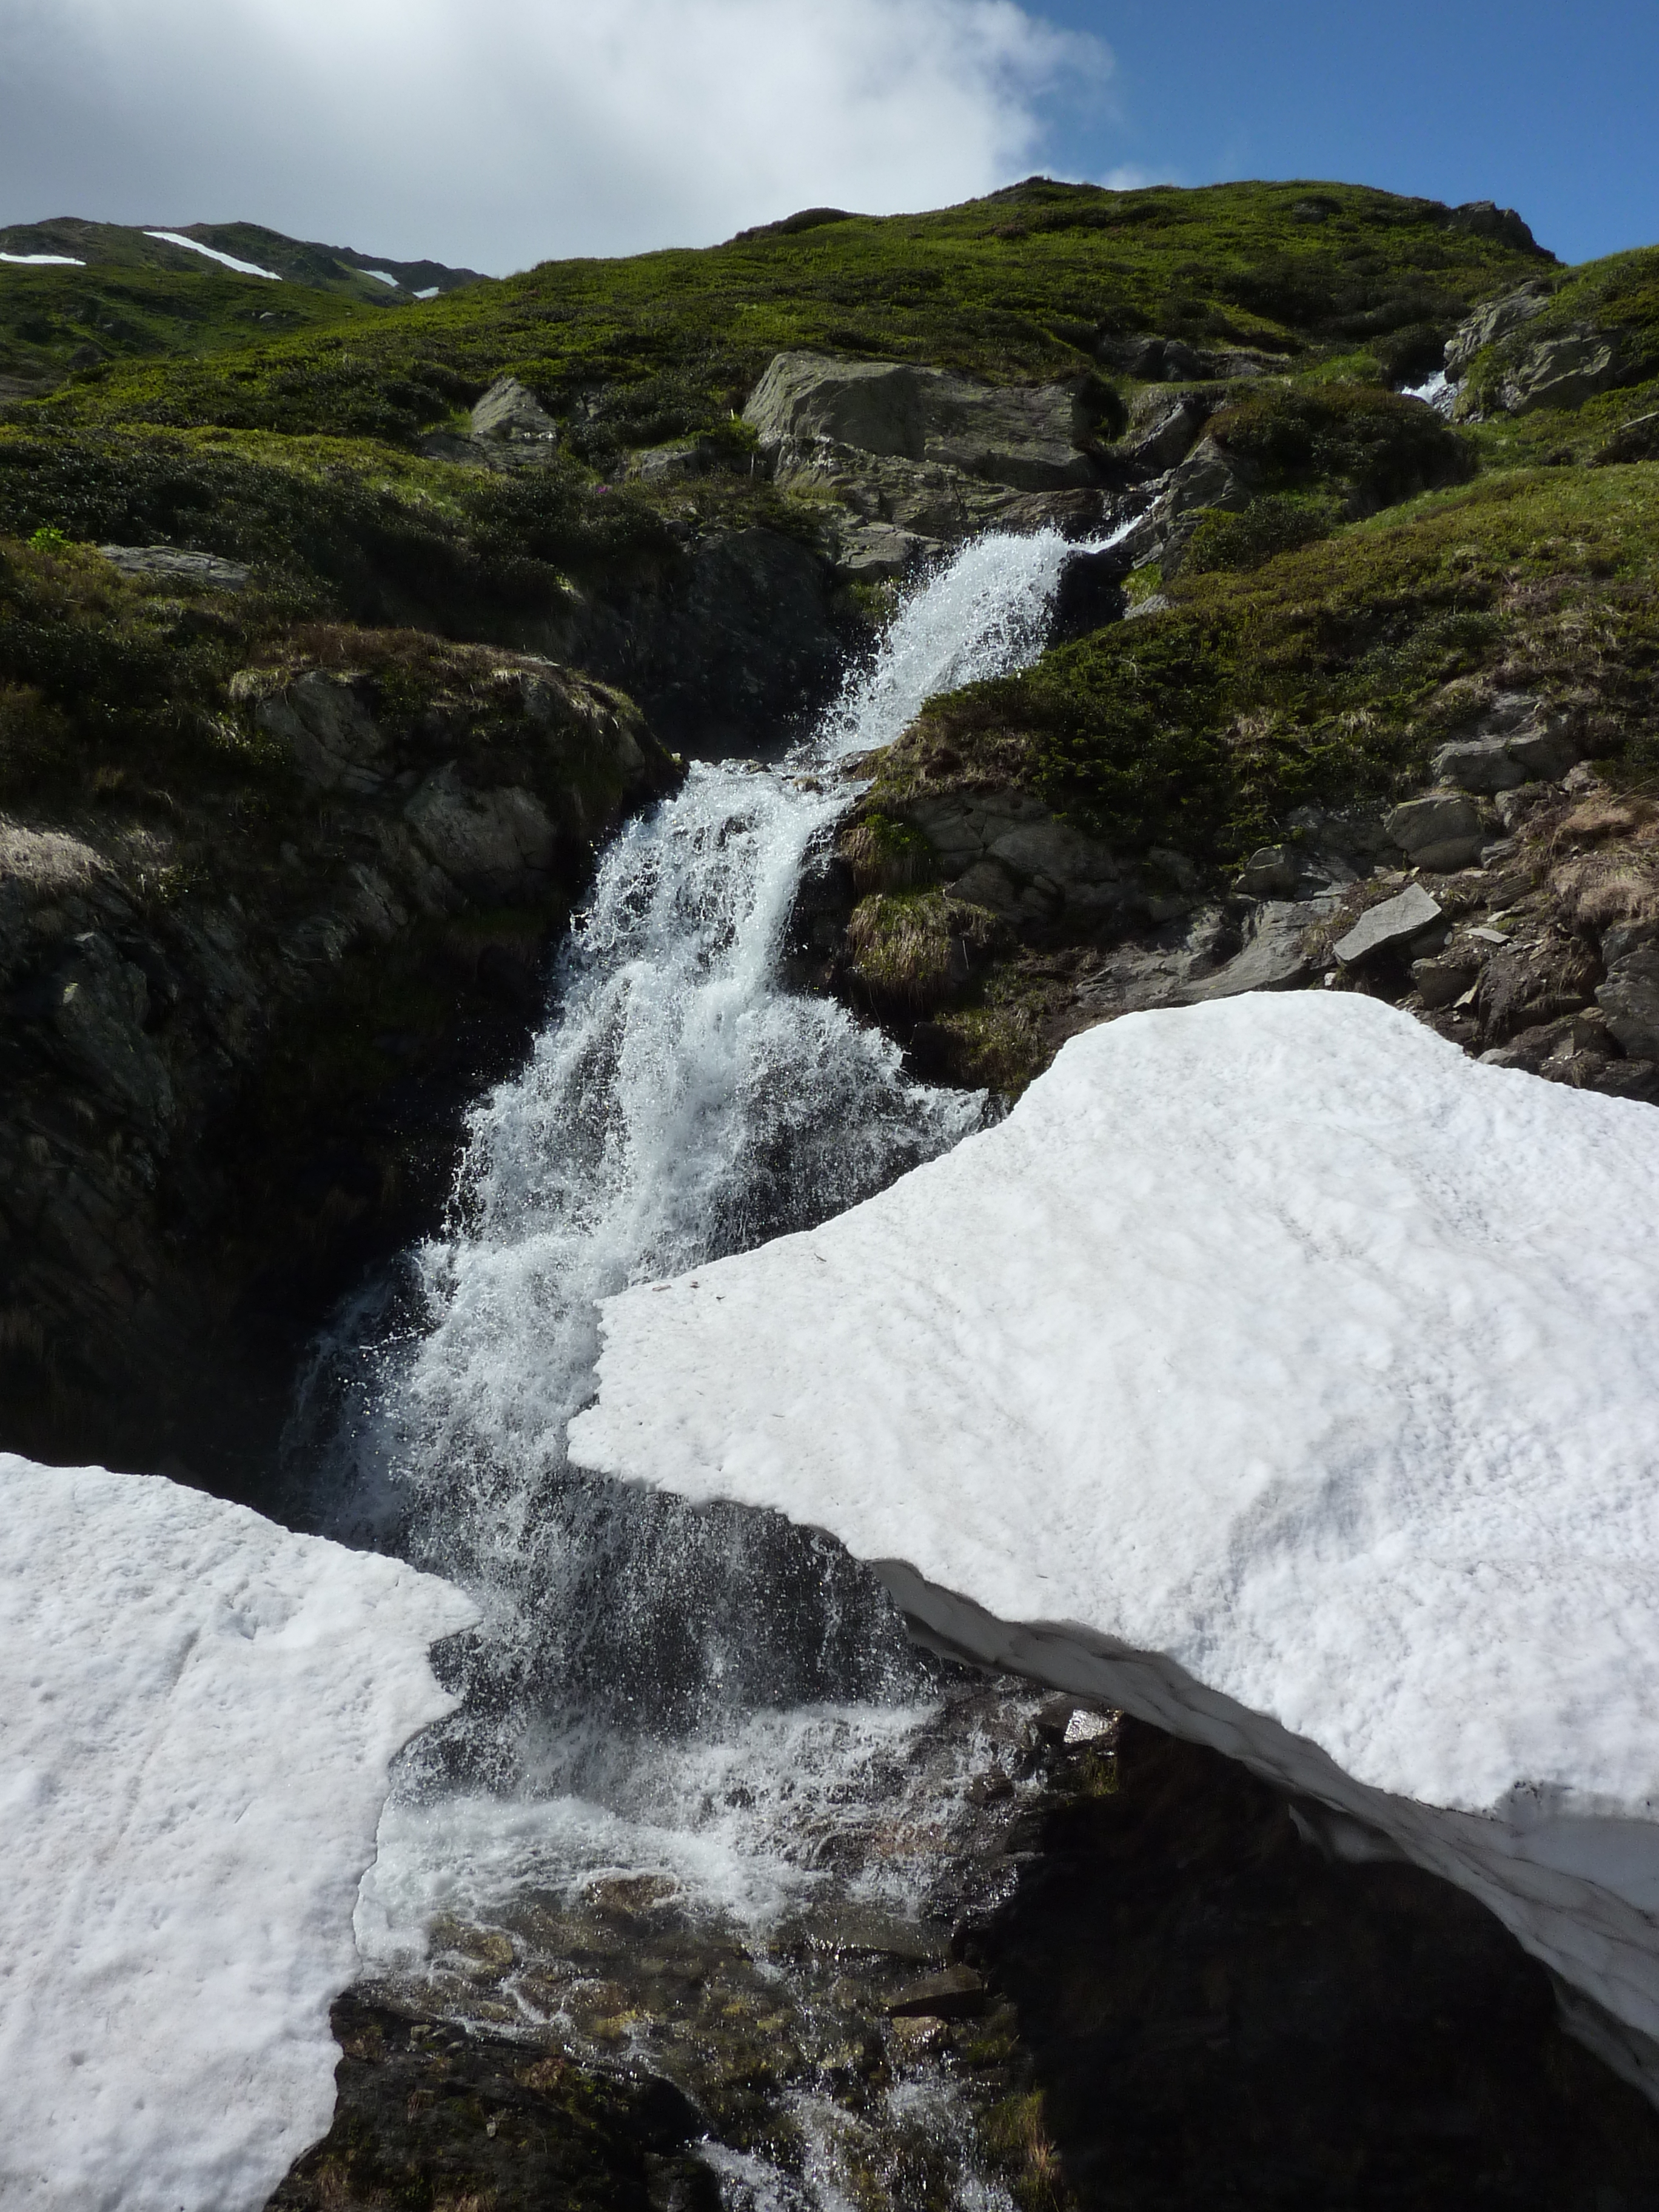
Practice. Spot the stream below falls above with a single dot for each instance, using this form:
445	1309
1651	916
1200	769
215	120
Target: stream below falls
715	1892
703	1808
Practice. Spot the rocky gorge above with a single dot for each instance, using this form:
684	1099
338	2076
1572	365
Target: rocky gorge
328	682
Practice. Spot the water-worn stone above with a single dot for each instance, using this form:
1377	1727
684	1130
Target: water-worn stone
956	1993
1630	999
1442	832
431	2113
1394	922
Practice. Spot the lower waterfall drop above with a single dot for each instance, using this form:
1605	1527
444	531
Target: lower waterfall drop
707	1720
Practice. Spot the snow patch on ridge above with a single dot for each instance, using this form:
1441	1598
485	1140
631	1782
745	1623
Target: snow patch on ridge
198	1714
229	260
1278	1372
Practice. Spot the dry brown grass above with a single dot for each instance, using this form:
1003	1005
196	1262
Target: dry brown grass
913	949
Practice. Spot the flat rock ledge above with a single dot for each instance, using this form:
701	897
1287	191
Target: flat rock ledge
1282	1376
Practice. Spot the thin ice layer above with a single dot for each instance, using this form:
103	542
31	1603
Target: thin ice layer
1279	1343
198	1713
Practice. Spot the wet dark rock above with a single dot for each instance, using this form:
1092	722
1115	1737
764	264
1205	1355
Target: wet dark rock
1206	2010
239	1051
1630	999
1090	595
432	2114
955	1993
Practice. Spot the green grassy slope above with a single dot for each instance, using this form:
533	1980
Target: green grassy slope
1328	673
135	296
1019	285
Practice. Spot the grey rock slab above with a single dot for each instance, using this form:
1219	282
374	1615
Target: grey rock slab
1395	921
1023	436
1482	764
875	552
1207	479
1443	818
1016	434
493	843
1170	439
989	885
1565	371
1630	999
876	405
509	411
1052	849
327	730
172	564
1546	750
1496	320
1273	958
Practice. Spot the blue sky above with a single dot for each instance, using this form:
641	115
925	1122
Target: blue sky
500	132
1548	108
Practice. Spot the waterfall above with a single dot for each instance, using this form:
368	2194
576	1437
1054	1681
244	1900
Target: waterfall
652	1685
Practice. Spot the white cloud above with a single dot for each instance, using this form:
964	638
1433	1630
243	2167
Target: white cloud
501	131
1130	177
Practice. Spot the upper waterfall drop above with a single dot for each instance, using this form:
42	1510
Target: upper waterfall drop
680	1103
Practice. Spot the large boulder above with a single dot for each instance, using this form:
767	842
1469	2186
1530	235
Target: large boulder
1564	369
509	413
1025	436
1440	832
1518	740
1496	320
495	844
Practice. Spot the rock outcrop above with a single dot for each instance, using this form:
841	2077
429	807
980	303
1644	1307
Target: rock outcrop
921	458
237	1050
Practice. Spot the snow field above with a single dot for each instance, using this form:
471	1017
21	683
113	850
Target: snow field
197	1715
1277	1371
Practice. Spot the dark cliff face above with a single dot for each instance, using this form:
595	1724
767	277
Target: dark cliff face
278	896
244	1013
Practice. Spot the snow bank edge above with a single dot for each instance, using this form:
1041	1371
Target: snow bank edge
1558	1884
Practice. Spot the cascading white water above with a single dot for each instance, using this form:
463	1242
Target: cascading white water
653	1688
